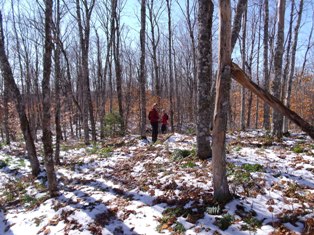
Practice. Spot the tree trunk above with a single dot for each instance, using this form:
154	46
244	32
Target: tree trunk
205	14
6	98
239	75
241	7
142	77
57	85
171	87
276	85
8	76
292	65
220	183
84	33
243	56
47	138
266	115
116	55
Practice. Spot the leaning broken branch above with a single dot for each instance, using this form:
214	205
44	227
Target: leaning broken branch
239	75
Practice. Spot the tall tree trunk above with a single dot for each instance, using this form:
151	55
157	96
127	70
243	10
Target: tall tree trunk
266	117
154	42
276	86
116	55
205	15
84	33
220	183
20	106
47	138
243	55
171	91
57	85
142	77
292	65
257	63
241	8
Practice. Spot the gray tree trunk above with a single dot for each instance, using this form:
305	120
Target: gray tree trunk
84	34
171	86
236	26
57	84
47	136
292	65
142	77
220	183
266	115
276	85
243	57
203	117
8	76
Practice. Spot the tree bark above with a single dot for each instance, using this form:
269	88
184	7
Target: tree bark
57	85
142	77
220	183
47	138
171	87
266	115
292	65
239	75
20	106
84	33
236	26
205	14
276	85
243	57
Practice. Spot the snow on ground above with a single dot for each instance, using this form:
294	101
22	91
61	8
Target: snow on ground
129	186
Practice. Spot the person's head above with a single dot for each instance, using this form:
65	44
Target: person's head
155	106
163	111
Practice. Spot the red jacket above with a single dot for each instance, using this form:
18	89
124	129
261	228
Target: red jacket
164	119
153	116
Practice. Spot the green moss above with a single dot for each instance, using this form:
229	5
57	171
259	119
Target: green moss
224	222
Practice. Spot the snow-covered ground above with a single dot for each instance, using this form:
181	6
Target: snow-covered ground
128	186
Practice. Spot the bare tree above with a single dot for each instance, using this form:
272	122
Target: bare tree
205	16
84	32
220	183
142	77
47	138
292	65
57	53
266	118
19	103
243	56
171	92
276	85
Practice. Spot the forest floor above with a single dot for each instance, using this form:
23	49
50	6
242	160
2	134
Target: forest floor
129	186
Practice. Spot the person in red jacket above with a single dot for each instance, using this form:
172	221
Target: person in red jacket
164	122
154	119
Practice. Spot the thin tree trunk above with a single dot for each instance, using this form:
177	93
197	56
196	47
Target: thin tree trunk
241	8
47	138
170	65
243	55
57	85
6	98
292	66
205	15
220	183
142	77
266	117
8	76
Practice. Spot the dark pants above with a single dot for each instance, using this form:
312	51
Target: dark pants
163	128
154	131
